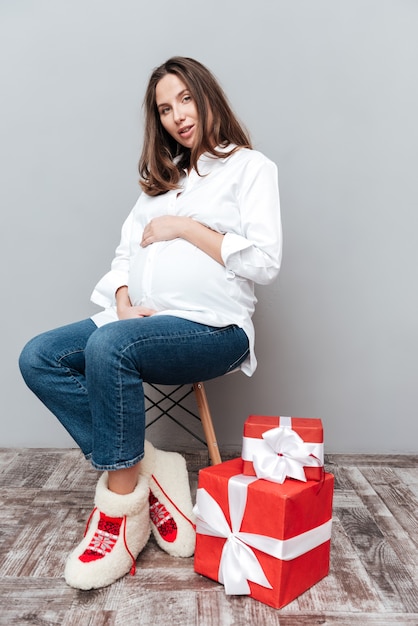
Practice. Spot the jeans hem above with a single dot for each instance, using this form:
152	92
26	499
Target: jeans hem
117	466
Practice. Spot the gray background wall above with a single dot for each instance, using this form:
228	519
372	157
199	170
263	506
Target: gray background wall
328	89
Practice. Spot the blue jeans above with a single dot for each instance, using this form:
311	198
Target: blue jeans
92	378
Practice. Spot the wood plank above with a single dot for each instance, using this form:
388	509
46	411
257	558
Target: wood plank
7	456
388	519
373	460
221	610
29	468
408	476
399	500
72	472
30	595
363	619
79	617
393	578
348	584
162	606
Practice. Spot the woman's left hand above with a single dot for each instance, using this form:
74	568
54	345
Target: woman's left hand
163	228
169	227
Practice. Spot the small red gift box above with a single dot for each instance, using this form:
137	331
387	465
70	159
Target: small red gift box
279	447
267	540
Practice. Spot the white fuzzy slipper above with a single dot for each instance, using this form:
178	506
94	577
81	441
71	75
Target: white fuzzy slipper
117	531
171	508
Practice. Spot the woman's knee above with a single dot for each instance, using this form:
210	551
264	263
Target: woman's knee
30	358
101	343
57	350
111	344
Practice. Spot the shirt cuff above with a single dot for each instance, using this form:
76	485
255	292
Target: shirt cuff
231	244
104	292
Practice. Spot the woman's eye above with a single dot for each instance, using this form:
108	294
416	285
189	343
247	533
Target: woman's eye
187	98
164	111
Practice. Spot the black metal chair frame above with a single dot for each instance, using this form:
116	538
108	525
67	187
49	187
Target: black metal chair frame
204	415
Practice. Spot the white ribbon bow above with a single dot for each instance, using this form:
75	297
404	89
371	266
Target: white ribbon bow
238	562
282	452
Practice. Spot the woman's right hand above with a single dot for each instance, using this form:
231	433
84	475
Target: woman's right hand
129	312
124	307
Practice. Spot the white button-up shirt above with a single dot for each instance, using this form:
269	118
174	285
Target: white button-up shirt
237	196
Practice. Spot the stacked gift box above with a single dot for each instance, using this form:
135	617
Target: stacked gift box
264	520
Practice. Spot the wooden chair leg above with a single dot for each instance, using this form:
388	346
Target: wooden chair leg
207	424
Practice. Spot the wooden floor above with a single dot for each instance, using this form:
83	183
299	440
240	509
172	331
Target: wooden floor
46	496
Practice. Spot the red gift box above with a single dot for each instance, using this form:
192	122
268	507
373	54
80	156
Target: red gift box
279	447
267	540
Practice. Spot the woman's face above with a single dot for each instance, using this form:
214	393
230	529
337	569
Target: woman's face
177	109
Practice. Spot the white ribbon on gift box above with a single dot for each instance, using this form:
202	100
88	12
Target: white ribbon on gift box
238	562
282	453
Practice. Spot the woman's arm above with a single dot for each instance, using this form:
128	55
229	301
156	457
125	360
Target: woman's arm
169	227
124	307
104	291
255	253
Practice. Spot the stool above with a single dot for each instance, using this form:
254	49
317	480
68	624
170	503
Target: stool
166	402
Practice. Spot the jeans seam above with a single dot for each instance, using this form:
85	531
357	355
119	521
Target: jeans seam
239	360
177	336
120	422
68	369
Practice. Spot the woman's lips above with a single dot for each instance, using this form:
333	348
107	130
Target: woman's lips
186	132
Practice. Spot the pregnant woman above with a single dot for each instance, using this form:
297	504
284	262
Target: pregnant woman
177	302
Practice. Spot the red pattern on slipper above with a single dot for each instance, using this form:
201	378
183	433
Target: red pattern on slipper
104	539
162	519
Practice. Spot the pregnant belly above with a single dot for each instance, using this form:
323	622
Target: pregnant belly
175	275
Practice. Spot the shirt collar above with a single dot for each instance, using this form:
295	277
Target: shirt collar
207	157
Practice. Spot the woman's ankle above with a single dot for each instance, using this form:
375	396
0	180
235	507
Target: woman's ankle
123	481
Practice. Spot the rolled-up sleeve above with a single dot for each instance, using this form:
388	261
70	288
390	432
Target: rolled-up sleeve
256	253
104	292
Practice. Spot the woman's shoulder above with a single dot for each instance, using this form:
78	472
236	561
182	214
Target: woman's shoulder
250	155
251	162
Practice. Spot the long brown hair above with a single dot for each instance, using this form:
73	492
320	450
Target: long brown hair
156	167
